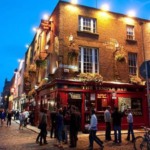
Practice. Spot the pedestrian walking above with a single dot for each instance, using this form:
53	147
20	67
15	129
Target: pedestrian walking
40	119
93	129
21	119
2	117
9	115
53	124
66	126
130	125
107	118
43	128
59	128
117	118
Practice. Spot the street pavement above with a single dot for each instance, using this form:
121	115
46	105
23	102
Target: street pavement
11	138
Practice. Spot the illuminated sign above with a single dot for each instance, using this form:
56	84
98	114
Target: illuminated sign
101	95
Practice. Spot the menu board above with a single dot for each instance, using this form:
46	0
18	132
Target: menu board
134	103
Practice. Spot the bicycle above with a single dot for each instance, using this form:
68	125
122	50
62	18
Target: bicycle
143	142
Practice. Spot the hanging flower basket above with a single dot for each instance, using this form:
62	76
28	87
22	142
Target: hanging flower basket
40	63
72	55
120	57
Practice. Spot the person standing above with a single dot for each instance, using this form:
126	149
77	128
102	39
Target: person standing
75	123
117	117
2	116
107	118
59	128
21	119
9	115
93	130
53	124
130	125
43	128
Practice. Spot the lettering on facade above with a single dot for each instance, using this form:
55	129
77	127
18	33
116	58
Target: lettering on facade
75	95
101	95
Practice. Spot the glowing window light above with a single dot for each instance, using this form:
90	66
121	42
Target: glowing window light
131	13
74	1
105	7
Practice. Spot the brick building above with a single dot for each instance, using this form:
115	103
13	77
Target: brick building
87	57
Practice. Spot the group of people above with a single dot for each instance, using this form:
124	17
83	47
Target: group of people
5	116
115	119
65	124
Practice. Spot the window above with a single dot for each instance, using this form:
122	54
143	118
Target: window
88	60
87	24
130	32
132	61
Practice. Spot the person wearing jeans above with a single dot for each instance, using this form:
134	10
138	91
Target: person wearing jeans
130	125
117	116
93	129
107	118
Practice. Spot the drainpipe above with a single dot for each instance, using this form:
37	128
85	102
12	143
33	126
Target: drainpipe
146	73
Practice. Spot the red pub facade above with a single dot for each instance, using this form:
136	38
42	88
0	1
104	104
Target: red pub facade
62	93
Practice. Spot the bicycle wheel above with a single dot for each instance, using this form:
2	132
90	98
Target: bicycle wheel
140	143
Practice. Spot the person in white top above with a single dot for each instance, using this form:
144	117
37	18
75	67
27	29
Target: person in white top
107	118
130	125
93	129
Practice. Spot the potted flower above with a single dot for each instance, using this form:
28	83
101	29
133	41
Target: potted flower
135	79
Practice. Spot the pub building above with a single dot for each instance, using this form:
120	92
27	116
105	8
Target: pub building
78	52
62	93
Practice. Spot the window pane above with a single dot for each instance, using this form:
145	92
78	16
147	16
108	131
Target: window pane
89	64
132	61
87	24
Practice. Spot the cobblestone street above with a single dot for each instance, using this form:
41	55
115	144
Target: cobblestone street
11	138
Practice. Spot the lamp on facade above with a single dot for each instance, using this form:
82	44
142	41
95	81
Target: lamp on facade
131	13
105	7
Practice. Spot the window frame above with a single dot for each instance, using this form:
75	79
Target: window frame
87	24
130	33
88	58
132	63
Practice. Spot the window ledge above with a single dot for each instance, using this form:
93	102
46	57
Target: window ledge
86	33
131	41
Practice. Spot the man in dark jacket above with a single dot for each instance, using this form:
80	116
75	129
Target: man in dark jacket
117	118
75	121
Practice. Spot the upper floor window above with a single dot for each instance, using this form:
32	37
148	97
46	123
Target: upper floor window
87	24
130	32
88	60
132	61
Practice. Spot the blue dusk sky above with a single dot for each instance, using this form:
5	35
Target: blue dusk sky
18	17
